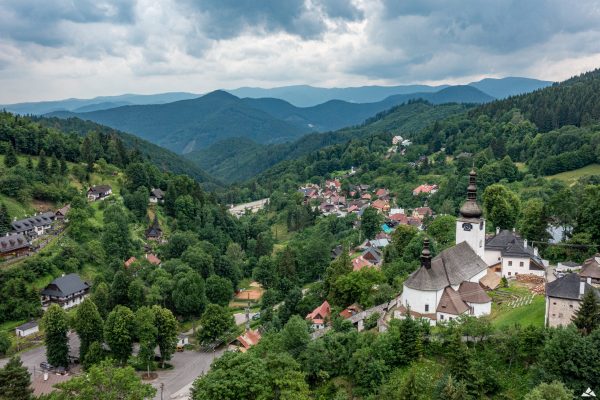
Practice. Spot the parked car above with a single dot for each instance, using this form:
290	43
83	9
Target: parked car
256	316
45	366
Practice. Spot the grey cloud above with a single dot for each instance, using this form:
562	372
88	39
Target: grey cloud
225	19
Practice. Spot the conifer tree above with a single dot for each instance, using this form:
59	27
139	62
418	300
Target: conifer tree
587	317
29	164
4	219
14	381
43	163
10	159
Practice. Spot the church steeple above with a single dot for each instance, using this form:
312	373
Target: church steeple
470	209
426	254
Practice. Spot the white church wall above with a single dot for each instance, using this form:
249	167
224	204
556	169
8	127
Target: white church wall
418	299
474	237
480	309
492	257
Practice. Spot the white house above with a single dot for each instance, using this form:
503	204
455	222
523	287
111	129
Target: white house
28	328
37	225
448	285
563	298
510	255
66	291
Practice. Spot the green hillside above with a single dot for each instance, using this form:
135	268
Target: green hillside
238	159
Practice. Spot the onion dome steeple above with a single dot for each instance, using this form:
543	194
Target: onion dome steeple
426	254
470	209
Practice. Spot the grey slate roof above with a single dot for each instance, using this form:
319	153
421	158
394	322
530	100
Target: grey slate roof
158	193
472	292
511	245
12	242
65	286
501	240
568	287
27	224
100	190
451	303
451	267
27	325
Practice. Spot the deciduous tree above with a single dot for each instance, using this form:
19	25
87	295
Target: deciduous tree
119	329
89	326
55	325
215	322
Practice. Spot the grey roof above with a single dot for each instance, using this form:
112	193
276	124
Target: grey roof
65	286
27	224
27	325
570	264
100	189
373	253
472	292
451	303
451	267
158	193
567	287
511	245
12	242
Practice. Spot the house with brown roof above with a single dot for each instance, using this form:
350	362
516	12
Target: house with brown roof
590	271
359	263
350	311
61	213
247	339
425	189
381	205
319	317
130	262
422	212
153	259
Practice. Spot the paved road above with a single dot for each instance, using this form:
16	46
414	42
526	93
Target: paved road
188	365
240	318
32	358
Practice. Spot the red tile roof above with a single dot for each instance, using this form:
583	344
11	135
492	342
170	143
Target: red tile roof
152	259
130	261
249	338
320	313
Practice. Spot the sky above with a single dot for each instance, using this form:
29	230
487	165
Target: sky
56	49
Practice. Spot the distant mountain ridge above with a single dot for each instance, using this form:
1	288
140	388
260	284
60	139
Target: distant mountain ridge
298	95
194	124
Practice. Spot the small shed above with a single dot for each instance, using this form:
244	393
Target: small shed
182	340
28	328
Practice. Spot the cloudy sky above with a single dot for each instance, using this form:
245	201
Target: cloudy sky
56	49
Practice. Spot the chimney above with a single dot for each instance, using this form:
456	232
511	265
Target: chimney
497	230
426	254
536	252
525	243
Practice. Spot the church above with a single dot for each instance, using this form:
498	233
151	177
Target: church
448	285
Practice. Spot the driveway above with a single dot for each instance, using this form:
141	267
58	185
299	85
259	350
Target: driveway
240	318
188	365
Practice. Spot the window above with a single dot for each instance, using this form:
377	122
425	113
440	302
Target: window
426	307
450	318
553	303
481	226
508	273
480	243
521	263
441	316
570	305
554	315
510	263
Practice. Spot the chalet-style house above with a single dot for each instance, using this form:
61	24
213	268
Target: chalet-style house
157	196
61	213
563	298
66	291
509	255
319	316
448	286
99	192
590	270
154	231
13	245
373	255
34	226
28	328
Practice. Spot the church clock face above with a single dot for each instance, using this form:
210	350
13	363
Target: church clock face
467	226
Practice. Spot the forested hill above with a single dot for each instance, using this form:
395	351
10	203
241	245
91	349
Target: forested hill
575	101
238	159
60	128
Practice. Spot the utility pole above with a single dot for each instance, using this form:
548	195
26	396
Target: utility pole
248	314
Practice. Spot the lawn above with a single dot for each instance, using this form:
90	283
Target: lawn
15	209
531	314
571	177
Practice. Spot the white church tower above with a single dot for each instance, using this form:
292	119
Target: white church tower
470	225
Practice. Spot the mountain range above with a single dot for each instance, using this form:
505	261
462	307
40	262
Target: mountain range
187	125
299	95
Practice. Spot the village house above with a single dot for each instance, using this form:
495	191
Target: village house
247	339
129	262
563	299
66	291
422	212
27	329
157	196
381	205
350	311
61	213
13	245
319	317
425	189
509	255
590	271
397	139
153	259
334	185
359	263
448	286
373	255
99	192
34	226
154	232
